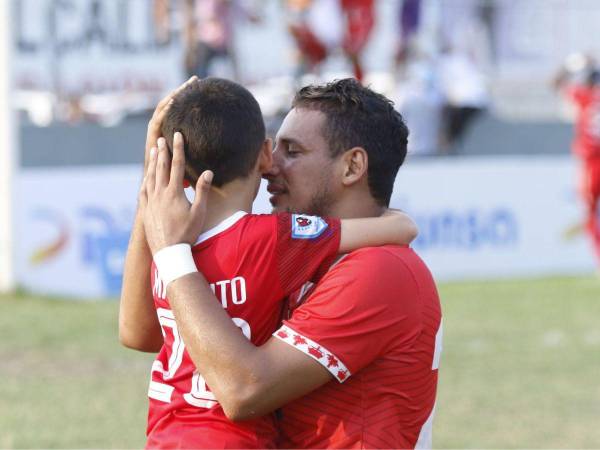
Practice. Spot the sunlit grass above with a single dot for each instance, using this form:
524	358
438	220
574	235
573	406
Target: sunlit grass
520	369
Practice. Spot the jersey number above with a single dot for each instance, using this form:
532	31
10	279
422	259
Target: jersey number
199	394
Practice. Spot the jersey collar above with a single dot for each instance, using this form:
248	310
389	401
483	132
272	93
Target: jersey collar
225	224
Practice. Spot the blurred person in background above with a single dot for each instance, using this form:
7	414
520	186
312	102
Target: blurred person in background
321	27
463	65
409	18
578	80
465	90
359	16
419	99
316	29
208	31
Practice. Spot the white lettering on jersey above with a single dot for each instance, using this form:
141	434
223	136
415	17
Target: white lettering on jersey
159	289
199	394
167	320
230	291
238	290
227	291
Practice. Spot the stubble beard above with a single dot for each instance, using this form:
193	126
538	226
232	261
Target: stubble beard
319	205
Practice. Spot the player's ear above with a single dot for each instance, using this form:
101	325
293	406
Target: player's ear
355	163
265	158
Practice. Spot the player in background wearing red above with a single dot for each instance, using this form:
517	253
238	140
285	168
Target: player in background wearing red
360	18
257	258
355	366
585	96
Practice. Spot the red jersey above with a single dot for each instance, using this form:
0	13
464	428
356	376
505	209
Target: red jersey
374	321
587	128
360	18
251	262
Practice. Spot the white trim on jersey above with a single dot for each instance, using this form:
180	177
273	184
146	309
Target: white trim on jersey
319	353
425	435
225	224
160	391
437	354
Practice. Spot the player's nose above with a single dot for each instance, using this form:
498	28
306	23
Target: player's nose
272	172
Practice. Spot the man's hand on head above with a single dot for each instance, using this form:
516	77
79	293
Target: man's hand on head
155	123
169	218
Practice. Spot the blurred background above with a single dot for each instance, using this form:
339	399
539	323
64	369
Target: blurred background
491	178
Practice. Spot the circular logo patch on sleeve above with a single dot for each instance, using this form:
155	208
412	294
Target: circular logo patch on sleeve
307	227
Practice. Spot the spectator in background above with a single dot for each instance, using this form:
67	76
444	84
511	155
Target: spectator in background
162	20
464	87
420	102
208	30
320	27
409	18
359	16
579	81
208	33
465	58
316	29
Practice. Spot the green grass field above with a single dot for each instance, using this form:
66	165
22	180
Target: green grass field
520	369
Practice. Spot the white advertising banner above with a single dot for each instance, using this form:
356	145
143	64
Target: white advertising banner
93	46
478	218
72	228
493	217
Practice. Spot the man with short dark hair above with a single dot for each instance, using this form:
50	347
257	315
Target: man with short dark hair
349	116
355	365
251	262
223	128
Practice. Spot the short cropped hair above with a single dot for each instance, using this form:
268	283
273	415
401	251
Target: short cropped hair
222	127
356	116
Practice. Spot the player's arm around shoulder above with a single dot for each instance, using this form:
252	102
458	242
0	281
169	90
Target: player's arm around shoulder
393	227
337	331
284	375
248	381
138	324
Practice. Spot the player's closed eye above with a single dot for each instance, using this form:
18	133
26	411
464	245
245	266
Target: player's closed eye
292	151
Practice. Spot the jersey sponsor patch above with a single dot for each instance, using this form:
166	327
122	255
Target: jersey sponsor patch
307	227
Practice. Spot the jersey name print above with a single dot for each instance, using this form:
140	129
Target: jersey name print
251	265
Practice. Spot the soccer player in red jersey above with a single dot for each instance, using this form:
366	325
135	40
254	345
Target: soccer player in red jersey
251	261
586	143
359	16
356	364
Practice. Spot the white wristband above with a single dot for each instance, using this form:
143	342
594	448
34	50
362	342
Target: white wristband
174	262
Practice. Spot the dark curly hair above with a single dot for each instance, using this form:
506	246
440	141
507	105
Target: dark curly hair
356	116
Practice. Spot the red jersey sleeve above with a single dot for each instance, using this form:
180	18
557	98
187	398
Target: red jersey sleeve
366	304
306	247
578	94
